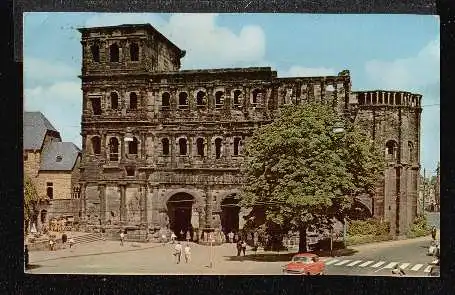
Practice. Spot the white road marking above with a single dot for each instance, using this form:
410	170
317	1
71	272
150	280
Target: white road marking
366	263
342	262
331	261
391	265
378	264
416	267
404	265
427	269
354	263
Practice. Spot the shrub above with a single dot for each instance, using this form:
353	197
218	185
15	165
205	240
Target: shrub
372	227
418	228
363	239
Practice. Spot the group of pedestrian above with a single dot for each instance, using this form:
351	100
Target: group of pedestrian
178	249
65	241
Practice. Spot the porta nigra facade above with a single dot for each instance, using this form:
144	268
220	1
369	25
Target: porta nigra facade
162	147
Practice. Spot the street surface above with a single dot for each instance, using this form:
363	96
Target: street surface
108	257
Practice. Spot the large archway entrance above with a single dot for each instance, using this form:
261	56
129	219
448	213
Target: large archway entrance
179	208
230	214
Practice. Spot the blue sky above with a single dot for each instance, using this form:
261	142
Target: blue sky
395	52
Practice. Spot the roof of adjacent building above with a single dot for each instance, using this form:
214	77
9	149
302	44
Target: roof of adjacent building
36	126
59	156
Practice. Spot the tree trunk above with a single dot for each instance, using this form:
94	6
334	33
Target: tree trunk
302	240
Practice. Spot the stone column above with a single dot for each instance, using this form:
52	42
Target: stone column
102	191
144	204
83	201
103	145
388	97
209	209
394	98
122	188
143	146
122	147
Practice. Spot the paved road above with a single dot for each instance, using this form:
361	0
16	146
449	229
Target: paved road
108	257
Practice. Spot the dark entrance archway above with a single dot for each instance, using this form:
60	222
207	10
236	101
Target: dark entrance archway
179	208
360	211
230	214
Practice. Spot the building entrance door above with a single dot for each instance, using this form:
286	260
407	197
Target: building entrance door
179	208
230	214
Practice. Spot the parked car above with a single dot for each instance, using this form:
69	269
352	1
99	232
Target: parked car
304	264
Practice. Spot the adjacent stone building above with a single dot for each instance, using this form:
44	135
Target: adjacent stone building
162	147
53	166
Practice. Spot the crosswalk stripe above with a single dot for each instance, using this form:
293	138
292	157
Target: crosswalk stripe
366	263
427	269
378	264
354	263
404	265
342	262
391	265
331	261
416	267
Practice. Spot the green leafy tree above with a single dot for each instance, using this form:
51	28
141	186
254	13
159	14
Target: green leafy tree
303	174
31	199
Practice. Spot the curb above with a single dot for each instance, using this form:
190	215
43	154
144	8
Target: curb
391	242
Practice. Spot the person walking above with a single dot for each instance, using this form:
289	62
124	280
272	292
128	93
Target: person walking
173	237
433	233
178	252
163	239
122	238
239	247
51	244
231	237
187	253
188	236
243	247
71	242
64	239
398	271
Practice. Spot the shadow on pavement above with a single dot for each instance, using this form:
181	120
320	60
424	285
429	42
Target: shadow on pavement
337	252
283	257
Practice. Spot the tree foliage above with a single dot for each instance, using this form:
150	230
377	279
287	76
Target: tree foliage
302	173
31	198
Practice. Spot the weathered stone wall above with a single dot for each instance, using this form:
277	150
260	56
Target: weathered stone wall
61	183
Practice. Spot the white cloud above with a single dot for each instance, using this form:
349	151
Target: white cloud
299	71
61	103
208	44
411	73
38	71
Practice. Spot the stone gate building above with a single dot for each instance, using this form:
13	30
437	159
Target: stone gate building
162	147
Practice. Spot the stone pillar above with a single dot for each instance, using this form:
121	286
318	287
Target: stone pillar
122	188
122	147
83	201
143	146
144	204
103	145
209	209
394	98
382	97
102	191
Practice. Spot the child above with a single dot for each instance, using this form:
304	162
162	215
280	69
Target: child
71	242
187	253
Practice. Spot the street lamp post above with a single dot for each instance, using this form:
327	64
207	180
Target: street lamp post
339	128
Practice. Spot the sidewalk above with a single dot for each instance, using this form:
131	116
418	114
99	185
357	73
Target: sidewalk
389	243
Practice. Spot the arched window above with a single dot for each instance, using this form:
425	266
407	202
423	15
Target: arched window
114	100
200	146
132	146
219	99
165	99
361	99
133	101
218	142
255	98
200	98
183	99
113	149
391	150
50	190
134	52
95	49
165	144
237	94
183	146
411	151
114	53
236	145
96	145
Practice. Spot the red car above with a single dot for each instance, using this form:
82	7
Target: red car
305	264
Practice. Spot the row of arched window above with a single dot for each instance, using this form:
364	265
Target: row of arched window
219	95
183	149
114	52
391	151
114	102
